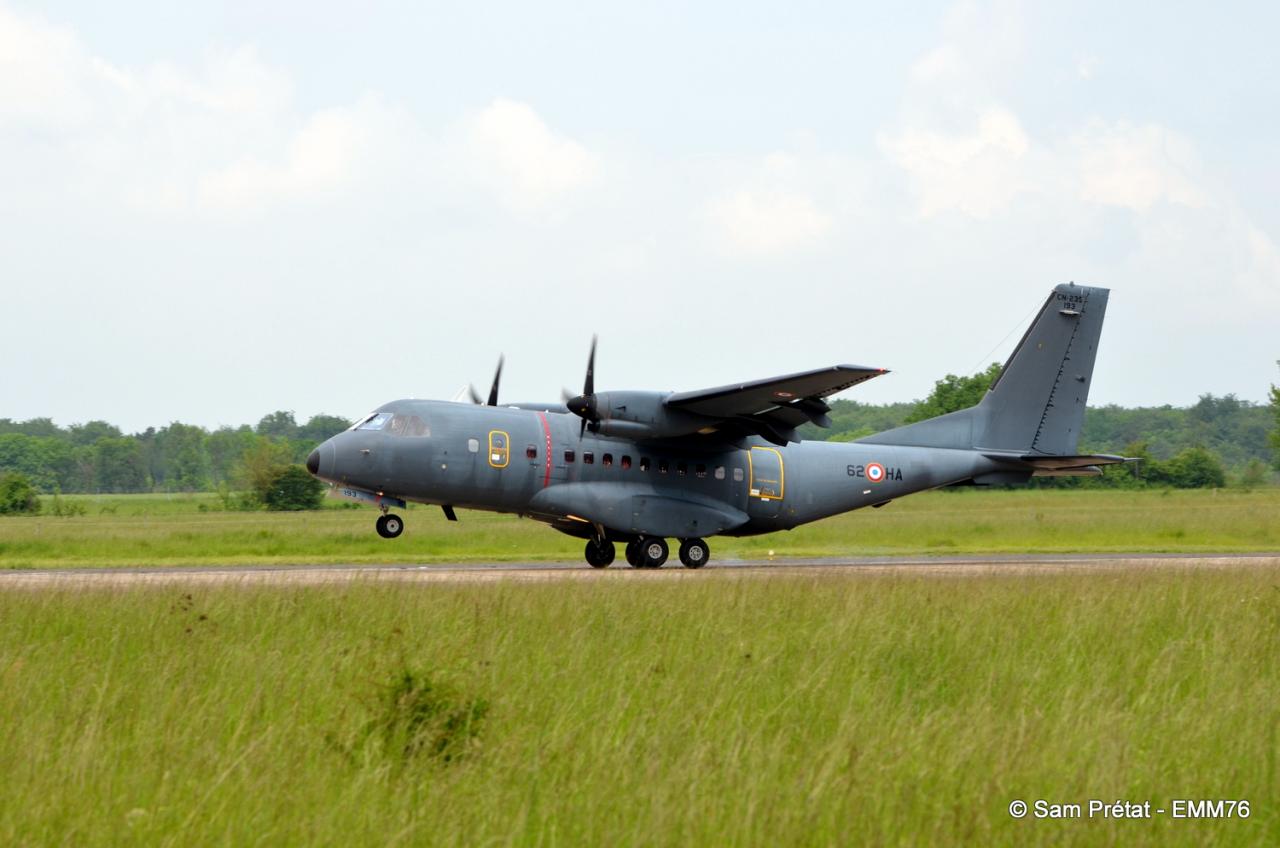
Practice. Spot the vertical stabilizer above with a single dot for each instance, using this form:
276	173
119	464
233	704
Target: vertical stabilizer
1037	403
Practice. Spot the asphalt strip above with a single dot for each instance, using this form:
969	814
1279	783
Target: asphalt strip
313	575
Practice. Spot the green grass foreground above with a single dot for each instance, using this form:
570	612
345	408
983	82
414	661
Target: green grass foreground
737	710
133	530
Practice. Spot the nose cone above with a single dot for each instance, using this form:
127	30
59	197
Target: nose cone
313	462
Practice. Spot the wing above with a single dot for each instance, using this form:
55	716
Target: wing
773	408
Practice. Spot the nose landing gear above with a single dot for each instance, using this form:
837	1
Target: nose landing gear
389	526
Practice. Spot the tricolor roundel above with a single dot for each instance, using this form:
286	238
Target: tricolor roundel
875	472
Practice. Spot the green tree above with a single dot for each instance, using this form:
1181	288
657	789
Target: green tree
259	466
180	462
279	425
91	431
1274	435
226	447
292	488
321	427
952	393
1193	468
17	495
119	465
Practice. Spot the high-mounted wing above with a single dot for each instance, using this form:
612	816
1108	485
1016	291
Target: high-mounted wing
773	408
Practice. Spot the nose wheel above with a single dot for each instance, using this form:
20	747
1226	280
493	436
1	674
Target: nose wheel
389	526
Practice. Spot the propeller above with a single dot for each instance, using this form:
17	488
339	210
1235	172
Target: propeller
497	378
584	405
493	390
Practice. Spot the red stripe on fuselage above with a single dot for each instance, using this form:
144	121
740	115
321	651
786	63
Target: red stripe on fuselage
546	429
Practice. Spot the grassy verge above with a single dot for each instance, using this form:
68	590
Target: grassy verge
732	711
128	530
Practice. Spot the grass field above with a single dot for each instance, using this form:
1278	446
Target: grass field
734	710
127	530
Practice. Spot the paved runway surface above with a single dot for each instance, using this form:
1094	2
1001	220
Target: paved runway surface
1021	564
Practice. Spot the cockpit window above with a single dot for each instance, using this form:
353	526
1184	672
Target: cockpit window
377	421
408	425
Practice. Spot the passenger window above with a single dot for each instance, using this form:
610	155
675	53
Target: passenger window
662	466
499	448
588	457
473	445
681	469
569	456
606	460
719	472
700	470
644	463
737	474
626	462
531	452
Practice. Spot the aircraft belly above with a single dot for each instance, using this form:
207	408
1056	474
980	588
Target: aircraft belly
641	510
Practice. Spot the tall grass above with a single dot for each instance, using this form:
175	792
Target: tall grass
149	530
728	711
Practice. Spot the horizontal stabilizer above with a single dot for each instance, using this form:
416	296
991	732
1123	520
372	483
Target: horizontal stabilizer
1076	465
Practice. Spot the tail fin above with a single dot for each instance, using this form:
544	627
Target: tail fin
1036	405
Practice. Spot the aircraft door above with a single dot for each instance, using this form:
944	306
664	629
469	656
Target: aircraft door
766	481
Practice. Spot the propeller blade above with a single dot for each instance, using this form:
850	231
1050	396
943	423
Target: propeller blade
565	395
589	387
584	405
497	378
474	395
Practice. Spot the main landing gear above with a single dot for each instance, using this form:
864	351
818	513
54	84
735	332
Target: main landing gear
389	526
599	554
650	552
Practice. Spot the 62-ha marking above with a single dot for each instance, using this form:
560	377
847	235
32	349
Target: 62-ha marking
874	472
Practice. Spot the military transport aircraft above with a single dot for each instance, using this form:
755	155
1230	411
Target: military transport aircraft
639	467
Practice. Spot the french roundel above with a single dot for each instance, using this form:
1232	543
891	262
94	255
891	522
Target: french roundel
875	472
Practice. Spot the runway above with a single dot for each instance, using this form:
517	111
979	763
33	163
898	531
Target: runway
504	572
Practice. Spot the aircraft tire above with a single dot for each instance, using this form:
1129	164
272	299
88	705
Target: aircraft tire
392	526
694	553
381	526
632	553
600	556
654	551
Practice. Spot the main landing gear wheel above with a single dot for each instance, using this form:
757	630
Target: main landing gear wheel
599	555
632	554
694	553
389	526
653	552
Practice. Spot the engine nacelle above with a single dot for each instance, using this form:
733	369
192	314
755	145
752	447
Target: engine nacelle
642	415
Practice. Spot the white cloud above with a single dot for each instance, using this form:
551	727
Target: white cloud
1135	166
768	222
508	148
978	172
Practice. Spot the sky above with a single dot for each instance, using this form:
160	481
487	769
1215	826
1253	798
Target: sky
212	211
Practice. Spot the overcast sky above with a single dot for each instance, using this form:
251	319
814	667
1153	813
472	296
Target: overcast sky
210	213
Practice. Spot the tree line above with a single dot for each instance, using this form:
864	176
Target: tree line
97	457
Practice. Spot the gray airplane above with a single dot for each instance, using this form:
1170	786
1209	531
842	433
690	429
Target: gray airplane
639	467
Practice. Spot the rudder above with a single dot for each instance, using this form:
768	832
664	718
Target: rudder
1037	403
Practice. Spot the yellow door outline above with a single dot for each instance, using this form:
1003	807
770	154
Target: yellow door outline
757	491
499	454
